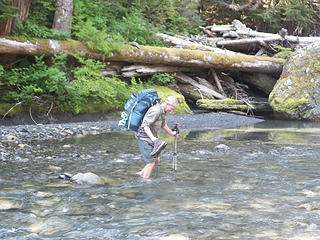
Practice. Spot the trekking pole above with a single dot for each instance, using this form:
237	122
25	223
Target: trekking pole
175	153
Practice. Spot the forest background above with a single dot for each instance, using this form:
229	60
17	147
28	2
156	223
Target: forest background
71	83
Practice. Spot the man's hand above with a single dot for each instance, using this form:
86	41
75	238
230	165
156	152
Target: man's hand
175	130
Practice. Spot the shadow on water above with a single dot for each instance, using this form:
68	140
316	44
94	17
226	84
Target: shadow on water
255	182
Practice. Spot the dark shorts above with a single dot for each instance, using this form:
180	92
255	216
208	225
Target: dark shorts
146	149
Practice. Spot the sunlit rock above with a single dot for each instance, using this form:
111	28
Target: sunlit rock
222	147
54	168
87	178
6	205
296	94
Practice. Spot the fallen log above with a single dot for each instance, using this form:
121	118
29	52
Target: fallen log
187	44
234	105
148	55
186	79
292	39
247	42
191	93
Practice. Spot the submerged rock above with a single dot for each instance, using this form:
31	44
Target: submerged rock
7	205
51	226
175	237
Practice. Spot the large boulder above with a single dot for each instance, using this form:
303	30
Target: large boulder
296	94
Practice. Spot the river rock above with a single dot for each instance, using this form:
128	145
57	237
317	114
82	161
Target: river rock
296	94
51	226
7	205
87	178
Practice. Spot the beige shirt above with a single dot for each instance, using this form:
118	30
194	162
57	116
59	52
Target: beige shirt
155	118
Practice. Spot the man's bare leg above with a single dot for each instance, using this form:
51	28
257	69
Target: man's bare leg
147	170
157	160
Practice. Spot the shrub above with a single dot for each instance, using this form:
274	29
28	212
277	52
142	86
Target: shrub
163	79
36	84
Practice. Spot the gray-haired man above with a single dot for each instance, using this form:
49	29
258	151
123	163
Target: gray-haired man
147	135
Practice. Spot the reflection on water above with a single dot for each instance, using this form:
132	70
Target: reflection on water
265	186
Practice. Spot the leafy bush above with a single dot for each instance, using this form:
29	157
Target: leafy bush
42	84
175	17
6	11
134	27
112	21
99	40
293	15
89	86
30	30
163	79
283	52
37	83
39	22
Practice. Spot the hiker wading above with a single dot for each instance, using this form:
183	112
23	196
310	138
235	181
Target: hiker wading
147	135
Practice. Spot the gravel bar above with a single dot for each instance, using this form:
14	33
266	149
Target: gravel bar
195	122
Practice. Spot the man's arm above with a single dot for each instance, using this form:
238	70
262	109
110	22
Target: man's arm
169	131
149	133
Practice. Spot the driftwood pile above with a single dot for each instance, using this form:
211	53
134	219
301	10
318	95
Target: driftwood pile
212	88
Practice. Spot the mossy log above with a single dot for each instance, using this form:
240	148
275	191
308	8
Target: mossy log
147	55
233	105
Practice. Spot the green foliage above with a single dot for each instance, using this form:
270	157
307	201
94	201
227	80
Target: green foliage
134	27
163	79
90	86
179	16
283	52
39	22
297	16
292	15
36	83
30	30
99	40
1	70
112	21
42	12
6	11
39	84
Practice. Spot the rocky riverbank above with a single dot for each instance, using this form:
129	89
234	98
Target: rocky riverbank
25	133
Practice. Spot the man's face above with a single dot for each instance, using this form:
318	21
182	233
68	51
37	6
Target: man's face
168	108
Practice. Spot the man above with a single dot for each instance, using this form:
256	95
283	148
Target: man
147	135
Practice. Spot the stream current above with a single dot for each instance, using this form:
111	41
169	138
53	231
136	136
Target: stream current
256	182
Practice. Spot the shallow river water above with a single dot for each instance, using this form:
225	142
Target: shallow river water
256	182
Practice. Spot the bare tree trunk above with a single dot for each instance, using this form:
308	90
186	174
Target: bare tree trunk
7	26
63	16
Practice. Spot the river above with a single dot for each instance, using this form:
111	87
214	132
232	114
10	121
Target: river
255	182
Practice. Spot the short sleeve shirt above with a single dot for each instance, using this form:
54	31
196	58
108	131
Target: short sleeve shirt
155	118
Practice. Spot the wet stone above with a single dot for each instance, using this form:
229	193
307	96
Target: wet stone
7	205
